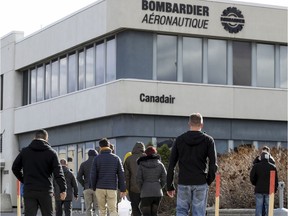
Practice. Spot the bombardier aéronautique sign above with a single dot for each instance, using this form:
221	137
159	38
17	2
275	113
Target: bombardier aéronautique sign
193	14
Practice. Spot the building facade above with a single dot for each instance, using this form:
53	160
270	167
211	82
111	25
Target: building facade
134	70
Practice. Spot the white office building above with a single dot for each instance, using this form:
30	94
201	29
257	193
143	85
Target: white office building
134	70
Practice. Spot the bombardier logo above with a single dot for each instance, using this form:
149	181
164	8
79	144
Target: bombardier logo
232	20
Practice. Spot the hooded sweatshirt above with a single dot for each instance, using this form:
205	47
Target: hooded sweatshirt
195	151
260	175
131	166
40	163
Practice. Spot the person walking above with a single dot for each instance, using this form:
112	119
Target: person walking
36	166
195	153
83	177
130	168
260	178
151	178
72	191
107	175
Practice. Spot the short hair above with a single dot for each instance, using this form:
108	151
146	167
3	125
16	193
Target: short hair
104	142
196	119
41	134
63	162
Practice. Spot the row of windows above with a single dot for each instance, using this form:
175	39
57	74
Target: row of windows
224	62
176	58
71	72
78	153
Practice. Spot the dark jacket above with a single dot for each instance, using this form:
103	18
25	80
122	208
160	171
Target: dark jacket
151	176
72	186
131	166
258	159
107	171
260	175
40	163
83	175
192	149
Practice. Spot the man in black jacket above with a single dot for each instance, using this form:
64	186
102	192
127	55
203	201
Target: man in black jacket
83	178
260	178
72	191
35	166
196	155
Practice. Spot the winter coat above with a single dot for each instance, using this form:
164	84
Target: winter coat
131	166
107	171
191	150
40	163
72	186
83	175
151	176
260	175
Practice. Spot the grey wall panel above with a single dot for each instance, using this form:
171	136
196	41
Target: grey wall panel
134	55
129	128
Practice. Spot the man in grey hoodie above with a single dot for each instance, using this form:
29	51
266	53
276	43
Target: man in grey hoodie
130	168
83	178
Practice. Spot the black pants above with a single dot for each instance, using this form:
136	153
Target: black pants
67	208
149	206
135	202
35	199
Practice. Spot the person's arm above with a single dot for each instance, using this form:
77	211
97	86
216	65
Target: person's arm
212	155
163	176
80	175
171	168
75	186
127	173
121	177
17	167
93	174
253	178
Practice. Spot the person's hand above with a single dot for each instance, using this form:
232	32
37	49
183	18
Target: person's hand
63	195
171	193
76	197
122	194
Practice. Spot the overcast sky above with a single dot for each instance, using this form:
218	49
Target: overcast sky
31	15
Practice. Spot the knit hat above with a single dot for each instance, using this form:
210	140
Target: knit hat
150	150
92	152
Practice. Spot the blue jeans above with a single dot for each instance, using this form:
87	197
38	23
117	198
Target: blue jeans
194	196
262	201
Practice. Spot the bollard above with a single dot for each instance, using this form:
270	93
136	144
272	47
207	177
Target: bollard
281	186
18	198
271	193
217	195
82	204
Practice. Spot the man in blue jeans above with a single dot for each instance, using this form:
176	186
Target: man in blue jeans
195	153
260	178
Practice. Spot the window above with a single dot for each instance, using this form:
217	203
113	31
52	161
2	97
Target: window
63	75
55	79
192	60
283	67
100	63
217	61
81	70
33	85
166	57
111	60
72	73
47	81
25	87
40	83
89	67
242	63
265	65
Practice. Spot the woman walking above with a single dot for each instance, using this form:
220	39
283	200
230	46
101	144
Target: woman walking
151	178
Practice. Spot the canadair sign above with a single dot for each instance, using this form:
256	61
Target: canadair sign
195	16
